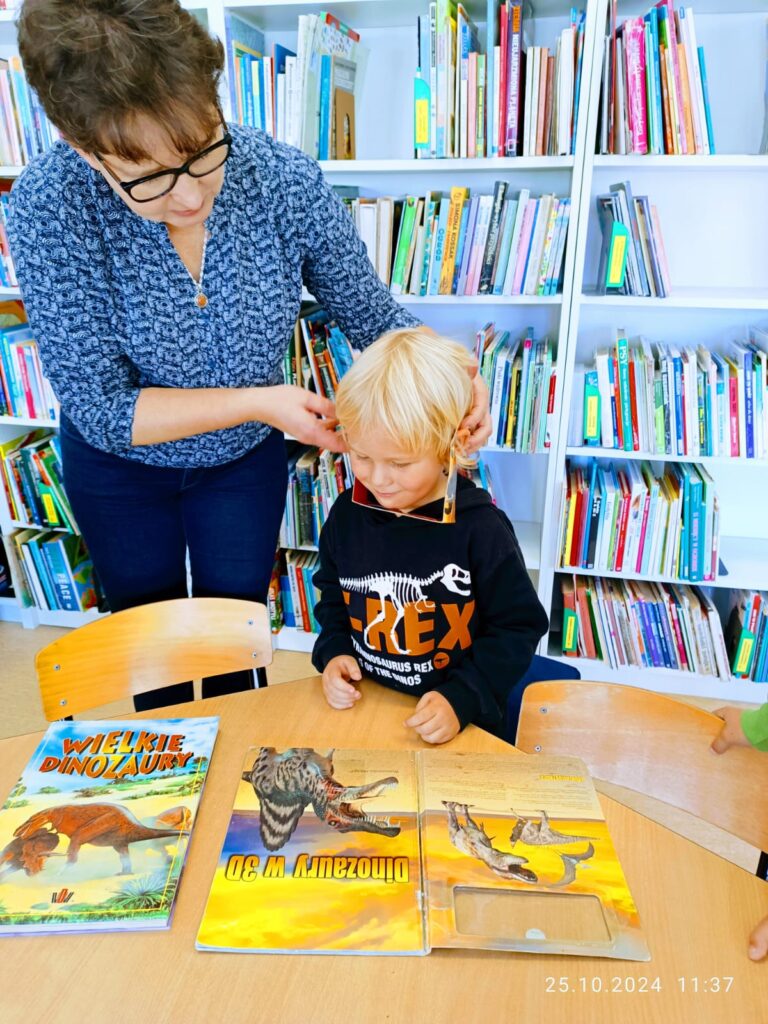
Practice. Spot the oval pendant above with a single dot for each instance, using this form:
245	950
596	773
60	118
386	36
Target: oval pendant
201	300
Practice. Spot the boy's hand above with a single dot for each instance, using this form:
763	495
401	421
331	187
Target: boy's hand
758	941
434	719
338	690
731	734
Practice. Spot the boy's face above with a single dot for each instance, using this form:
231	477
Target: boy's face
396	478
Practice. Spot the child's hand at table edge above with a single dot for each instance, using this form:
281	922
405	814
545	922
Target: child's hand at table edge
731	734
434	719
337	685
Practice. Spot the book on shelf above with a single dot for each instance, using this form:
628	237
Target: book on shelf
94	834
398	852
298	595
305	98
25	131
6	583
746	634
318	354
624	517
459	243
24	390
654	96
647	270
643	624
31	470
53	570
316	477
521	378
675	399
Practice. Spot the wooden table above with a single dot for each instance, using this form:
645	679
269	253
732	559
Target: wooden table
696	909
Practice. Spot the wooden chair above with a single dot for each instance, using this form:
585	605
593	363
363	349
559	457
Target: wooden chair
154	645
653	745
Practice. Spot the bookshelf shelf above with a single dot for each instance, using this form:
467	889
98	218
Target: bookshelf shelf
716	162
687	298
617	454
480	300
483	164
290	639
684	684
25	423
10	172
10	293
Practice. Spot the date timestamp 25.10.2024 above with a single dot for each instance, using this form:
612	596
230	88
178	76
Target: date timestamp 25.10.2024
630	984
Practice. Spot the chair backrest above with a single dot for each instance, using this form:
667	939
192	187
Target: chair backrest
154	645
651	744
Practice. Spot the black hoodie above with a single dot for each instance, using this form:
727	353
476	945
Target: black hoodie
430	606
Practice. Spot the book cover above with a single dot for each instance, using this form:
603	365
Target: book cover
323	855
95	832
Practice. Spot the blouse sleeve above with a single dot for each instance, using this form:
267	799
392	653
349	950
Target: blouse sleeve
336	267
61	269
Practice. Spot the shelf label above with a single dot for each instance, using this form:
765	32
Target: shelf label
744	653
617	256
421	97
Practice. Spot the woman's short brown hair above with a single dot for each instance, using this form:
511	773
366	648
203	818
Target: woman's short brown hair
98	66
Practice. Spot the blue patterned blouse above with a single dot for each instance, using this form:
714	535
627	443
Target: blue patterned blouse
112	304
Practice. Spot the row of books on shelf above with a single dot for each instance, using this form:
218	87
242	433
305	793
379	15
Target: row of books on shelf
304	98
626	518
25	131
318	355
459	244
633	260
670	400
644	625
316	477
30	466
292	594
24	389
655	97
8	277
521	379
479	95
53	570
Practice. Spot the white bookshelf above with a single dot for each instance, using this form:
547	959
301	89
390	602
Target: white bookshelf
713	212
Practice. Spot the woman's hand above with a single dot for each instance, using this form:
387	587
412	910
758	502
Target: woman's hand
478	419
295	411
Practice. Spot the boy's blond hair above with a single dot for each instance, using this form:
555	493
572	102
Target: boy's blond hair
410	385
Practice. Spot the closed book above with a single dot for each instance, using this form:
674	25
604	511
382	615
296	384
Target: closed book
492	239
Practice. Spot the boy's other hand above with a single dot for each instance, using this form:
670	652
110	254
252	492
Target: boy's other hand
337	687
758	941
478	420
434	719
731	734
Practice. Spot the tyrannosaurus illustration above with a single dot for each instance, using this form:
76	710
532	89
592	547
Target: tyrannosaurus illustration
28	854
287	782
540	833
472	839
97	824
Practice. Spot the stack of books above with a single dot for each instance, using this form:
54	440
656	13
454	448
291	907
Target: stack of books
675	400
306	99
53	569
24	391
25	131
318	355
646	625
654	88
487	96
30	465
625	518
633	260
521	377
458	244
315	479
297	594
746	635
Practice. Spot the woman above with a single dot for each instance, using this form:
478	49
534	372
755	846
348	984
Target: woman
161	257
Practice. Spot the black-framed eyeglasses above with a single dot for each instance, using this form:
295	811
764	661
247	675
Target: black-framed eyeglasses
153	186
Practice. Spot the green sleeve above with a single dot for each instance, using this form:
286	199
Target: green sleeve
755	726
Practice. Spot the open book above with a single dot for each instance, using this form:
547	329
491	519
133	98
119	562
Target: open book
94	834
396	852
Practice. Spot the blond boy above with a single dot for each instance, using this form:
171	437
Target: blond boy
443	611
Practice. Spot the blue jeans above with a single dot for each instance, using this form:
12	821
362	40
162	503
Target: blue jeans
139	521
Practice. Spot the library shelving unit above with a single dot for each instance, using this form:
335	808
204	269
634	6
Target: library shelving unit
710	209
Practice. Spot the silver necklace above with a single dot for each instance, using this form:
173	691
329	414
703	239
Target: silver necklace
201	299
